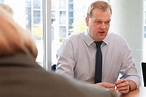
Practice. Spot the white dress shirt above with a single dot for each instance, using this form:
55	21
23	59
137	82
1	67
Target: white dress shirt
76	58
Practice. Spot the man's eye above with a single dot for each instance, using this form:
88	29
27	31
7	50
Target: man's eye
97	22
107	22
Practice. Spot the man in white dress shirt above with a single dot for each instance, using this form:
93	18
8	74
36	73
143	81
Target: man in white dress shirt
76	56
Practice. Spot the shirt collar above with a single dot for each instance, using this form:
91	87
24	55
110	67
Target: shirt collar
88	40
106	39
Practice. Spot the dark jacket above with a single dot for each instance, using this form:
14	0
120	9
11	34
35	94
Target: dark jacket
21	76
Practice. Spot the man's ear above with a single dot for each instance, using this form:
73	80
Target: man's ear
87	21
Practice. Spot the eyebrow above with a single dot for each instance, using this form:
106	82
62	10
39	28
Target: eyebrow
99	19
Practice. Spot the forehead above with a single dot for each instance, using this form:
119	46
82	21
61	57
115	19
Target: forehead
100	14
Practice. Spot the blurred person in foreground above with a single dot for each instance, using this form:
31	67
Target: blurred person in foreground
22	76
76	55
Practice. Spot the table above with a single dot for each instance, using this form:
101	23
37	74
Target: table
141	92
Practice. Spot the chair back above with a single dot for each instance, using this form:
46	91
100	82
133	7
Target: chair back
143	65
53	67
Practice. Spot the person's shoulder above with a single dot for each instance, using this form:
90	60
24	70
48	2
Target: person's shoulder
116	37
74	37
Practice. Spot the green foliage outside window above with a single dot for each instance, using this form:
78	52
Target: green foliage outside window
78	26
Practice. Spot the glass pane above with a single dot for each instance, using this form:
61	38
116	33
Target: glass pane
144	4
62	4
53	4
70	6
62	32
70	14
70	29
62	21
36	17
28	14
145	13
70	0
53	14
70	21
62	14
36	4
144	31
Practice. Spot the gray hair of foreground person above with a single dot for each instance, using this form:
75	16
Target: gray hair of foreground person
7	8
13	38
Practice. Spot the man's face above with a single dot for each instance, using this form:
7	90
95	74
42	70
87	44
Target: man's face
98	24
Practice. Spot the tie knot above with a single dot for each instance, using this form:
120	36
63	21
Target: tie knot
98	43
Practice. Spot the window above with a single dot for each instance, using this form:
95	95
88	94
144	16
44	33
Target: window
36	4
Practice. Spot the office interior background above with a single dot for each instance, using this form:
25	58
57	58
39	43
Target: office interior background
51	21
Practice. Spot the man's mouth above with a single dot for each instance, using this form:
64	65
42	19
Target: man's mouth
102	32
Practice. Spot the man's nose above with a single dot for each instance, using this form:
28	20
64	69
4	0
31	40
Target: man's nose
103	26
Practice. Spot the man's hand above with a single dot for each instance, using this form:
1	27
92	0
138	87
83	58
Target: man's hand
122	86
106	85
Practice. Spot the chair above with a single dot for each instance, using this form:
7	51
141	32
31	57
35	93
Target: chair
143	65
53	67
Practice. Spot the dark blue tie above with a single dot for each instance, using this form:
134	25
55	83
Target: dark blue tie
98	63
